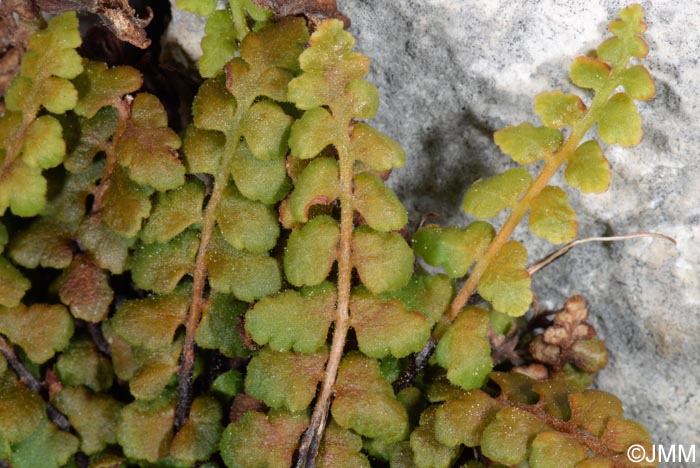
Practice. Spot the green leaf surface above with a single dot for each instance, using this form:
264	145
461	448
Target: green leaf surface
262	441
199	7
365	402
620	433
22	189
219	320
557	110
487	197
203	149
589	73
199	438
40	343
160	267
526	143
384	261
311	251
99	86
378	204
84	287
173	212
430	295
297	320
46	67
219	42
12	284
82	364
330	68
246	224
428	452
22	410
589	356
47	447
617	50
265	128
556	450
145	428
506	283
43	143
93	134
591	410
227	385
464	350
256	179
309	135
375	149
340	448
246	275
508	438
110	250
619	122
268	58
551	216
94	416
147	147
213	107
462	420
453	248
516	387
317	184
154	370
151	322
386	328
638	83
588	169
284	380
126	204
68	204
45	243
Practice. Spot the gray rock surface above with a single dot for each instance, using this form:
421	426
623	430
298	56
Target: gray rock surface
451	72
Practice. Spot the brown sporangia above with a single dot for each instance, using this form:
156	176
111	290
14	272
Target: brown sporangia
314	11
558	344
117	15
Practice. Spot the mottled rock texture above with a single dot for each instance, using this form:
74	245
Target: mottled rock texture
451	72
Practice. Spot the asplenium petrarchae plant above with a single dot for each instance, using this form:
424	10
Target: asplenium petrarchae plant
243	292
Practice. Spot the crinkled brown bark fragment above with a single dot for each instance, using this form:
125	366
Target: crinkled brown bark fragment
314	11
14	36
117	15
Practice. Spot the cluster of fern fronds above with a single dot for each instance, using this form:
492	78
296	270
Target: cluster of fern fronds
247	293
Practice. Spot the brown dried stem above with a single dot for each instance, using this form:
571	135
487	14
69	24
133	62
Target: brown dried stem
123	108
24	375
184	382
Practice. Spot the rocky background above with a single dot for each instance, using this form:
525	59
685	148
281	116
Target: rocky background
451	72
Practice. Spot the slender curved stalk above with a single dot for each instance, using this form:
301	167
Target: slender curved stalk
538	265
184	378
58	418
314	432
522	206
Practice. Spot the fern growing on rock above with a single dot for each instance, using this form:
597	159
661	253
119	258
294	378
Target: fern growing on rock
246	293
